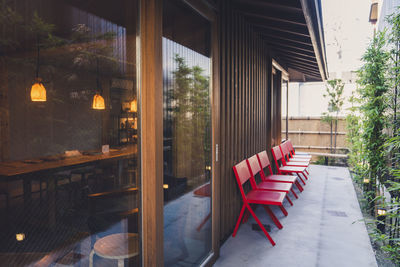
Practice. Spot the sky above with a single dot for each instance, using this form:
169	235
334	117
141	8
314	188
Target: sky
347	33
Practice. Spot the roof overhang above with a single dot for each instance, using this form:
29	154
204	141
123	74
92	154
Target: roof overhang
293	30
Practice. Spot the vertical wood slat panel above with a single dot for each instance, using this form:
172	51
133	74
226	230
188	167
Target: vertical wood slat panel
245	109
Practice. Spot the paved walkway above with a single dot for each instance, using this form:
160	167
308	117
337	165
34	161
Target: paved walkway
322	229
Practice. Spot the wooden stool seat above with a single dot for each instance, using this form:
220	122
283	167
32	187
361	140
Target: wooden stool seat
116	246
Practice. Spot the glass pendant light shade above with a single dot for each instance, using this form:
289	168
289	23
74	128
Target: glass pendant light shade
134	106
38	92
98	102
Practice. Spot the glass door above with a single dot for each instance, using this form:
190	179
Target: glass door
187	135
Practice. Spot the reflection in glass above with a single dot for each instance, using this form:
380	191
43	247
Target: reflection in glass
187	137
68	171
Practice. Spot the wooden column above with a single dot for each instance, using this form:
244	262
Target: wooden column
151	127
4	111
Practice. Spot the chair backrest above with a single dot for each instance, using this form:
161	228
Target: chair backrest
285	148
290	146
242	174
254	168
264	162
277	154
285	152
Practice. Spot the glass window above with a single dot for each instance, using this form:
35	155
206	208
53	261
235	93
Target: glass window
69	183
187	136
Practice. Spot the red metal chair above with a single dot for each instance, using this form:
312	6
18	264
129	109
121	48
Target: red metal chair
264	163
276	153
295	162
255	196
255	168
298	154
285	148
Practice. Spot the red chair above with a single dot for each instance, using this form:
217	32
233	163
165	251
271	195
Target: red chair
298	154
285	149
255	168
255	196
276	153
295	162
264	163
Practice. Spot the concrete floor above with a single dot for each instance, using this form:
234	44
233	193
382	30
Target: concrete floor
323	228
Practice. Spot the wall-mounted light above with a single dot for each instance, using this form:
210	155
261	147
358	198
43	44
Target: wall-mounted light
20	237
165	186
366	181
381	212
133	107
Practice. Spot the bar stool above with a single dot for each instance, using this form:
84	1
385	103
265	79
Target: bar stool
117	247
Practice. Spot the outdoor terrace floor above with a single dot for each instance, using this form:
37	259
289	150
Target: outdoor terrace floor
323	228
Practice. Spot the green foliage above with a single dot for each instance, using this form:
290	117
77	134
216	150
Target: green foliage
334	93
373	135
373	87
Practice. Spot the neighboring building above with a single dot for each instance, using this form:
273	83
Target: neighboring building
120	122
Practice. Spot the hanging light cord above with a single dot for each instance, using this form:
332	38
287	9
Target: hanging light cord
97	75
37	59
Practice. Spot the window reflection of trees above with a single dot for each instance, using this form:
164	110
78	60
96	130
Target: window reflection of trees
191	122
70	52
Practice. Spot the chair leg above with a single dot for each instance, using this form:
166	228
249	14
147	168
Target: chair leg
260	225
305	176
299	186
294	193
203	222
273	217
238	221
307	172
301	179
288	199
284	211
91	255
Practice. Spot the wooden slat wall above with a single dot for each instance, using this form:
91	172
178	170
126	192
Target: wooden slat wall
245	99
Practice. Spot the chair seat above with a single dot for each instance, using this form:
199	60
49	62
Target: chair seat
265	197
279	187
302	153
300	159
302	156
292	169
297	164
281	178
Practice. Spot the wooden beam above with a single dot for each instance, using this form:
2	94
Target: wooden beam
279	30
151	127
297	40
299	63
303	69
298	58
289	51
281	45
313	35
276	22
280	5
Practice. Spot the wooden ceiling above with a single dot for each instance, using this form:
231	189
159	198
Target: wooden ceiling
293	30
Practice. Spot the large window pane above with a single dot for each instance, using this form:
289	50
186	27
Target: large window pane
69	184
187	136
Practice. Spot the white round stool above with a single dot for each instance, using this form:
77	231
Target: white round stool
117	247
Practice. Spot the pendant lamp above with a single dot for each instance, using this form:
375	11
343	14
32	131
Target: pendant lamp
38	92
98	100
